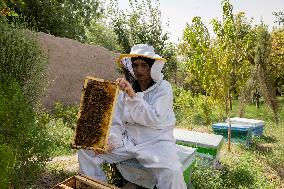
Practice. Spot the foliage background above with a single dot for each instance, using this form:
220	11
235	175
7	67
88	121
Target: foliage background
241	66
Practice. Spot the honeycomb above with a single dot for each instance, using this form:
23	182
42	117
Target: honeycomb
95	115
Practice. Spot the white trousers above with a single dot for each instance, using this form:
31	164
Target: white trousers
159	157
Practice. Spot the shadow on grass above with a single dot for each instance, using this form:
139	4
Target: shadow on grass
263	145
267	139
263	148
276	162
279	170
236	176
266	147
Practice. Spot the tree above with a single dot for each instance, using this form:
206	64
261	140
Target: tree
5	10
101	34
195	48
280	17
171	67
62	18
266	71
276	60
142	24
221	65
262	52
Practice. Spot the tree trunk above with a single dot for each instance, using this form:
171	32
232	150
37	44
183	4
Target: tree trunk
175	77
230	102
257	102
229	128
256	97
229	135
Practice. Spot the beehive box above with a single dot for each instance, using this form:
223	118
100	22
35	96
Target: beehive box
208	146
95	115
240	133
83	182
258	125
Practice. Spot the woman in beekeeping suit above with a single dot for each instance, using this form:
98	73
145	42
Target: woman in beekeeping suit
142	126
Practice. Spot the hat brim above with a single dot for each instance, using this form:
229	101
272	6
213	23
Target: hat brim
135	55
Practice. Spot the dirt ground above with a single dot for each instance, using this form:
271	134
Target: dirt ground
69	62
61	168
58	169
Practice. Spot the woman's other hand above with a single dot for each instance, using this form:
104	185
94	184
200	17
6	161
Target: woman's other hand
126	87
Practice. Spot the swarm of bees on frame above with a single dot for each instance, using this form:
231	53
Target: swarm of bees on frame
95	114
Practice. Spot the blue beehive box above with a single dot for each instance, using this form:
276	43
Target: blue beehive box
240	133
258	125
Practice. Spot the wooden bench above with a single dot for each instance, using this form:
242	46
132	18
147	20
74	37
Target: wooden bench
208	146
186	156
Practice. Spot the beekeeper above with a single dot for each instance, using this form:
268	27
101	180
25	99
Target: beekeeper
142	126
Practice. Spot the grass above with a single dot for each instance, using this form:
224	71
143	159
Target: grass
258	166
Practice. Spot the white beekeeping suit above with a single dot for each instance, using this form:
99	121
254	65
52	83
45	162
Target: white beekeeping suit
142	128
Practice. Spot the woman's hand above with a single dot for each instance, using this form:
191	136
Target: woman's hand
126	87
110	148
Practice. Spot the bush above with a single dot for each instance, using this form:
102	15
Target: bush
7	164
20	133
67	113
242	172
195	109
22	60
204	178
61	136
60	125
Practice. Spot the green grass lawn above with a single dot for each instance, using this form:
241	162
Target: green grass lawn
258	166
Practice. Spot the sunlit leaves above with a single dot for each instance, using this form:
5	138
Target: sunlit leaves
64	18
220	65
141	24
276	60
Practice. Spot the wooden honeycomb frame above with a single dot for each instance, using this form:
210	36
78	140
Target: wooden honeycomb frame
83	182
109	88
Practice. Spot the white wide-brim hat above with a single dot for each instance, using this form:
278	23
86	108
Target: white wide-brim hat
147	51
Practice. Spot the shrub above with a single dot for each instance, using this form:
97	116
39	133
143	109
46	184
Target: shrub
60	125
20	133
203	177
61	137
7	164
194	109
67	113
241	172
21	59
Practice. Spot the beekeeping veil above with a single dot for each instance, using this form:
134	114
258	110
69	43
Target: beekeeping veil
147	51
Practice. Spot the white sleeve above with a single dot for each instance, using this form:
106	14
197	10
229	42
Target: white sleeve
154	114
116	129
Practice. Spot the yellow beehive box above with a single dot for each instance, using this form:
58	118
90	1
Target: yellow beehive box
95	116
